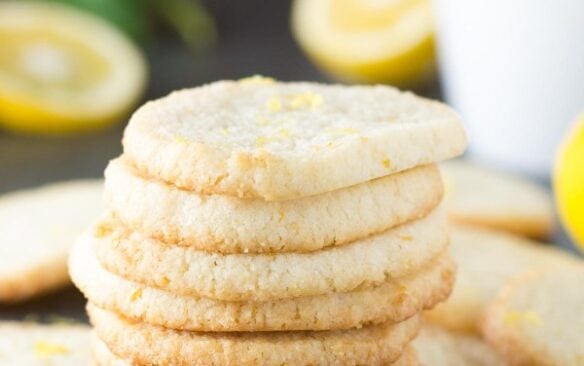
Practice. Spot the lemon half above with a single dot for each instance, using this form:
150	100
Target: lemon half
569	182
63	70
371	41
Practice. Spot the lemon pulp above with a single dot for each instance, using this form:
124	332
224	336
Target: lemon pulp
367	40
62	70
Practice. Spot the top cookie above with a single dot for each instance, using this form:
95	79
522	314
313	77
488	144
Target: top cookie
273	140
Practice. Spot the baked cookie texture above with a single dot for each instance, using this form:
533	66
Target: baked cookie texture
36	344
493	199
391	301
227	224
102	356
486	260
437	346
287	140
537	319
143	343
257	222
239	277
37	229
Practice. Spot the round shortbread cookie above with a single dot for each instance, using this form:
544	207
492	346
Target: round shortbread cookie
276	140
537	319
392	301
227	224
493	199
238	277
102	356
37	228
486	260
29	344
437	346
142	343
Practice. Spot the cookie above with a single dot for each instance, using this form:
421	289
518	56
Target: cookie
436	346
102	356
276	140
536	319
486	259
492	199
227	224
37	228
392	301
407	358
29	344
238	277
142	343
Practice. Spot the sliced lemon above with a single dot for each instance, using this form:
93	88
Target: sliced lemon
63	70
569	182
372	41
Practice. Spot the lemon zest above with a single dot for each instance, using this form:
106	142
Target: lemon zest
181	139
274	104
306	100
257	80
46	350
386	163
136	295
262	140
528	317
406	237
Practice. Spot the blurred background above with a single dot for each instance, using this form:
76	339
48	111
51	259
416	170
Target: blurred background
69	79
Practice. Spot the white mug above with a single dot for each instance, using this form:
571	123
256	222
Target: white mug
514	69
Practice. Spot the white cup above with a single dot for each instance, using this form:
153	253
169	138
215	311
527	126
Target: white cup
514	69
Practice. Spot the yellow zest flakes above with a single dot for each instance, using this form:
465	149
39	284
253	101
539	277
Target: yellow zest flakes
364	138
256	79
136	295
306	100
165	281
406	237
263	121
386	163
284	132
46	349
262	140
224	131
522	318
181	139
274	104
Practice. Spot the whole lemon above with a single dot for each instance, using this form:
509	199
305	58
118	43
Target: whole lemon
569	182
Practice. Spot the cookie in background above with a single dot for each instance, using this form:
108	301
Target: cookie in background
488	198
537	318
37	229
486	260
437	346
30	344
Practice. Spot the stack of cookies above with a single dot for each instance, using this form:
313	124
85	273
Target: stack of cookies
257	222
